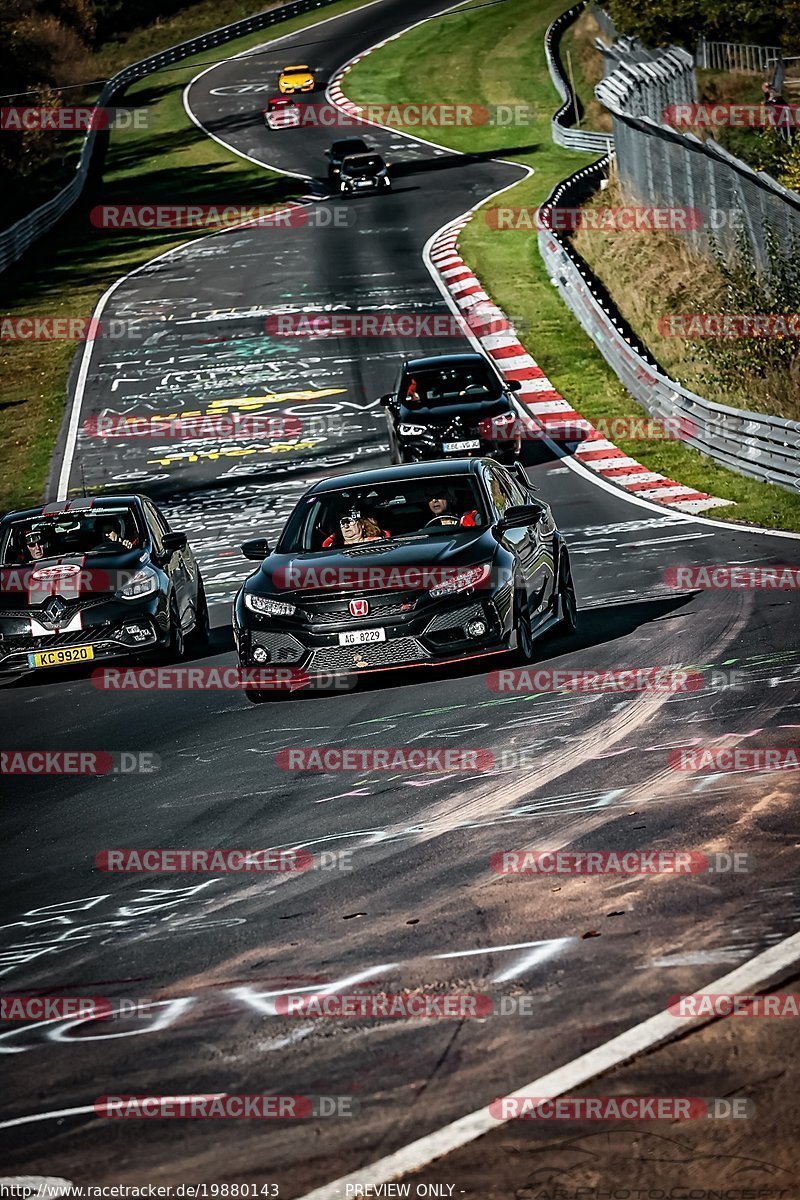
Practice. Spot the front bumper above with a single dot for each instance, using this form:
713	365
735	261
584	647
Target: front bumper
431	635
362	187
289	89
423	449
112	629
281	119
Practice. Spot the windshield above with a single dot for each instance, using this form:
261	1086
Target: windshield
98	531
408	509
364	164
453	384
342	149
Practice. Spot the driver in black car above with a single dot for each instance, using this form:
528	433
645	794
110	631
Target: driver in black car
108	531
440	504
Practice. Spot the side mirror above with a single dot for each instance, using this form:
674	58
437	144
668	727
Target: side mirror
175	541
386	400
514	385
256	549
518	515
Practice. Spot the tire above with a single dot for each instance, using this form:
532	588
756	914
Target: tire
201	634
566	595
522	624
254	695
177	642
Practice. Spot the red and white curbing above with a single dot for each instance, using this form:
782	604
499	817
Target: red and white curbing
546	404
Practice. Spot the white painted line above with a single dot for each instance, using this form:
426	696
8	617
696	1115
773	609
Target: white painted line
533	958
748	978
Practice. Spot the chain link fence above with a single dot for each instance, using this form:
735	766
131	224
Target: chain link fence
763	447
658	165
15	240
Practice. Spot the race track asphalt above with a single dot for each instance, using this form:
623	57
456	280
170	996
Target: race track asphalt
419	906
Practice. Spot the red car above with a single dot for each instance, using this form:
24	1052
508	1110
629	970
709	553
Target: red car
281	112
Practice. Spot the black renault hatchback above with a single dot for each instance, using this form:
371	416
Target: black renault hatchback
95	578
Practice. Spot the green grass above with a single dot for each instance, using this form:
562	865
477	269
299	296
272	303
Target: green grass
66	272
447	60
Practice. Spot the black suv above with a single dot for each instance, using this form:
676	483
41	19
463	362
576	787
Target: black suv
94	579
453	404
339	152
364	173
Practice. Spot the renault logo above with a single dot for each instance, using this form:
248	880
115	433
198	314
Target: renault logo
55	611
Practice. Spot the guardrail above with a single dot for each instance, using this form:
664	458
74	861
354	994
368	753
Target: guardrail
763	447
570	139
736	56
15	240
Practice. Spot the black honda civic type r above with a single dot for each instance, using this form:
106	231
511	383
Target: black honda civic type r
96	578
406	566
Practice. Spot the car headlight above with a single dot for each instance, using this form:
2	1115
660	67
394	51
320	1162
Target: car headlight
461	581
143	583
412	430
504	418
268	608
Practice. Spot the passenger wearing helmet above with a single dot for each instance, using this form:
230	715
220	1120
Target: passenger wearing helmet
36	544
354	527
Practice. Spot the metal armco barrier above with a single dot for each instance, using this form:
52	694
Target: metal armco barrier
763	447
15	240
571	139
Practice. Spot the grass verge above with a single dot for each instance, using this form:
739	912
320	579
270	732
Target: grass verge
66	272
458	69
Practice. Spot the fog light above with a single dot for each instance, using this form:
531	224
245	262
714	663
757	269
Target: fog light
260	655
476	629
139	633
